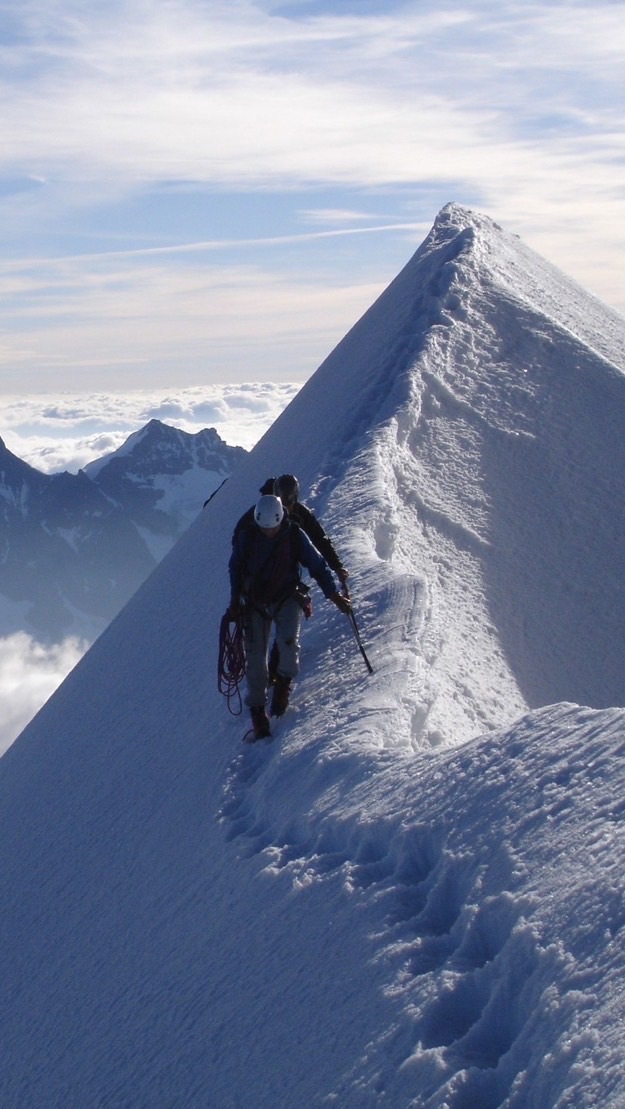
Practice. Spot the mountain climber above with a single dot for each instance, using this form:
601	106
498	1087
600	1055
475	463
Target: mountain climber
266	589
286	487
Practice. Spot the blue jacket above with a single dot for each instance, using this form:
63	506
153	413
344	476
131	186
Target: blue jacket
266	571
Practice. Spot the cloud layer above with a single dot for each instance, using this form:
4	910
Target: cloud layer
29	674
65	432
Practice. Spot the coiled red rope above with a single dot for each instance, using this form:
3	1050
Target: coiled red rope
231	662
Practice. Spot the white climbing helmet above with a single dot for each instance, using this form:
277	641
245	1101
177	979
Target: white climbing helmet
269	512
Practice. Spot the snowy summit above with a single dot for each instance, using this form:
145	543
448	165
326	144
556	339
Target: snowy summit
413	895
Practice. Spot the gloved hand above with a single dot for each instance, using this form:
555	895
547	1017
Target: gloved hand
342	575
342	603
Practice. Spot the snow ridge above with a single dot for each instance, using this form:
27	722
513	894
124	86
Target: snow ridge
413	894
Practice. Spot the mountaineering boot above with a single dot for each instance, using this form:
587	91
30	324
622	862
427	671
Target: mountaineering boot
260	722
280	698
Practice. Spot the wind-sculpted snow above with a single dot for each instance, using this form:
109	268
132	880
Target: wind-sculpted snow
495	987
413	894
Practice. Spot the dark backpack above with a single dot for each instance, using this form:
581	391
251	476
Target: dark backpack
277	576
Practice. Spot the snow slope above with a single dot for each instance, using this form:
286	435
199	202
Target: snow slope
413	895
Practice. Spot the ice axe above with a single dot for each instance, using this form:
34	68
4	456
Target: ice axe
355	629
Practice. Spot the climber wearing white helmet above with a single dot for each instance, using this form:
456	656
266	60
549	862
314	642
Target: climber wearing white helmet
265	589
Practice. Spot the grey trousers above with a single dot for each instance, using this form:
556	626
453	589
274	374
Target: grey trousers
287	619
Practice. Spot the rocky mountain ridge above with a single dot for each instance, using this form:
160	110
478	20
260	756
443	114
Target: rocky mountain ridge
75	547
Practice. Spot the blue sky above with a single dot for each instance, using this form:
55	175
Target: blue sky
196	191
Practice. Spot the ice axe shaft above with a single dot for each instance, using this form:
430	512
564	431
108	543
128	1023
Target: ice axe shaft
352	620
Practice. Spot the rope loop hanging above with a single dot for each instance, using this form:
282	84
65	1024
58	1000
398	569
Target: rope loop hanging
231	662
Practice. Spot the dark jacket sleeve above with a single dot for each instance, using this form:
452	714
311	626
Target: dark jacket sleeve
243	523
316	564
309	523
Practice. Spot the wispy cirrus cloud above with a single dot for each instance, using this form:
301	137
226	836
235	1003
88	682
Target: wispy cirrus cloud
167	146
240	93
69	321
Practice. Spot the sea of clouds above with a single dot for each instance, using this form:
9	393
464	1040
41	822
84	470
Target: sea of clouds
65	432
55	433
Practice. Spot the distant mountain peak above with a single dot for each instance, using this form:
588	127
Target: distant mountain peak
161	446
76	546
